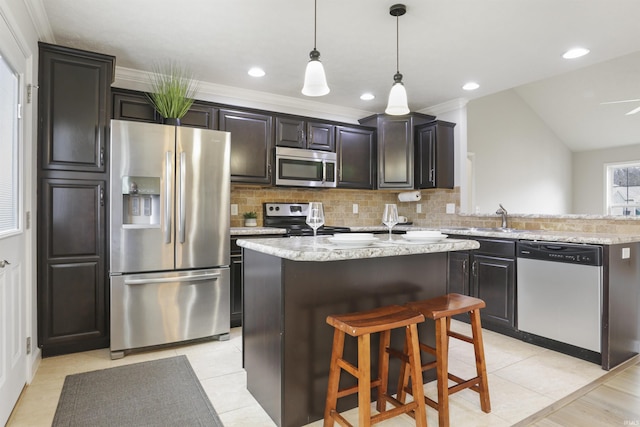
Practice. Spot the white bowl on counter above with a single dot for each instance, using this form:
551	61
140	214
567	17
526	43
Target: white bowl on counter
425	236
353	240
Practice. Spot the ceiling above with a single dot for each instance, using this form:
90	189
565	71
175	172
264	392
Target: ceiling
500	44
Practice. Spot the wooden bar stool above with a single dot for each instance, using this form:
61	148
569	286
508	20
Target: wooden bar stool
362	325
441	309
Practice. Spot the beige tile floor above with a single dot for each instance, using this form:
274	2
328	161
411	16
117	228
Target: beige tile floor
523	379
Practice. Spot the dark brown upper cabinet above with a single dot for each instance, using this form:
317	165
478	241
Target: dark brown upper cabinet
74	108
356	148
201	115
251	145
434	155
135	106
395	148
299	133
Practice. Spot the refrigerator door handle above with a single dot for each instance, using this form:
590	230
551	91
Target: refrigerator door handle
172	279
181	200
167	196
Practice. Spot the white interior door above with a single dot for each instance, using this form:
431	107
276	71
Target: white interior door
13	358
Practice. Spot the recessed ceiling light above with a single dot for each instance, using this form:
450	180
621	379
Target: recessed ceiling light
367	96
256	72
575	53
471	86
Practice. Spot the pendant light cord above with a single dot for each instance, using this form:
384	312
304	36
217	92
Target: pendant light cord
315	22
397	44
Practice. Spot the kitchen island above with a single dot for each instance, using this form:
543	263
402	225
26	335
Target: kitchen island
291	285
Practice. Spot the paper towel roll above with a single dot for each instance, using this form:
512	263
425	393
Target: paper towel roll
410	196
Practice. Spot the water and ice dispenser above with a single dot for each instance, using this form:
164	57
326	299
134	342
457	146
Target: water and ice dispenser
141	200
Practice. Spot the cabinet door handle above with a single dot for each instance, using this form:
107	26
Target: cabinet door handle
301	135
4	263
101	195
310	137
102	156
474	268
464	266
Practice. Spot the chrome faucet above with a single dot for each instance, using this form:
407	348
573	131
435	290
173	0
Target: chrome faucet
502	211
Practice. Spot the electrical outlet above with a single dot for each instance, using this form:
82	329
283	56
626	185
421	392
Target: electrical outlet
451	208
419	208
234	209
626	253
355	208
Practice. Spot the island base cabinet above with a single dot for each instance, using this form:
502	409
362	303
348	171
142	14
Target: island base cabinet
286	340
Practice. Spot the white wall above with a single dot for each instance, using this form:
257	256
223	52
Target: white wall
519	162
589	176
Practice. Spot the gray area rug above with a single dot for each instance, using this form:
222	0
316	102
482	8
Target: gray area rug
163	392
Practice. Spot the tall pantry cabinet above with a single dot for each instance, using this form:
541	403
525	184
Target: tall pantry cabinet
73	121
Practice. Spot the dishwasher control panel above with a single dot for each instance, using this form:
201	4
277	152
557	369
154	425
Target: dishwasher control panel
561	252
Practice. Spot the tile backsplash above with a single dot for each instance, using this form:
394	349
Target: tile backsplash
338	205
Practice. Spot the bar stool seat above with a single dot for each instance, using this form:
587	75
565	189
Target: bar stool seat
361	325
441	309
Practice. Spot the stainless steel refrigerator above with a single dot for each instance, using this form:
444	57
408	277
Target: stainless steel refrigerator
169	234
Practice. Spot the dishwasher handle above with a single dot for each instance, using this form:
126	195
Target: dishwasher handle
569	253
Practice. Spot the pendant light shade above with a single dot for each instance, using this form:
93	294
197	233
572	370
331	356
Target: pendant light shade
398	104
315	81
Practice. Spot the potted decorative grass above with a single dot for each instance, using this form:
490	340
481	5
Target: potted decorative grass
250	219
172	91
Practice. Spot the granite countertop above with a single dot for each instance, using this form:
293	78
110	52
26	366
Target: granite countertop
303	248
547	235
247	231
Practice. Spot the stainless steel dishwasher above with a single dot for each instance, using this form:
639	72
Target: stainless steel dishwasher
559	292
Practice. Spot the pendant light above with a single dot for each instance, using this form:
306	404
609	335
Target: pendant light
315	81
397	104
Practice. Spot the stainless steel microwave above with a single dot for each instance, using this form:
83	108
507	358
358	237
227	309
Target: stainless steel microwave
305	168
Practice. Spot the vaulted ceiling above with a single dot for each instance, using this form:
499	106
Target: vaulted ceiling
500	44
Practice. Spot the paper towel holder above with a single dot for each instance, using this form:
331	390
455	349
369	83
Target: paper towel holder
410	196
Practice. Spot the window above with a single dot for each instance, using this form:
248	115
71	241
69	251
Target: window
623	189
8	148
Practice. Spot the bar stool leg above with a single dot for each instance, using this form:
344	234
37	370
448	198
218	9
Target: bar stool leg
403	377
364	380
481	367
383	370
334	377
416	374
442	371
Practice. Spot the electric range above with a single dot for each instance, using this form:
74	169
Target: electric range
292	217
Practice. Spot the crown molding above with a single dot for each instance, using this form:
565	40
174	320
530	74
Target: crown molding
40	20
445	107
128	78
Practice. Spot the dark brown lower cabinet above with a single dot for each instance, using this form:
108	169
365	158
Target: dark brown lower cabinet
236	284
72	294
236	280
488	273
493	281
